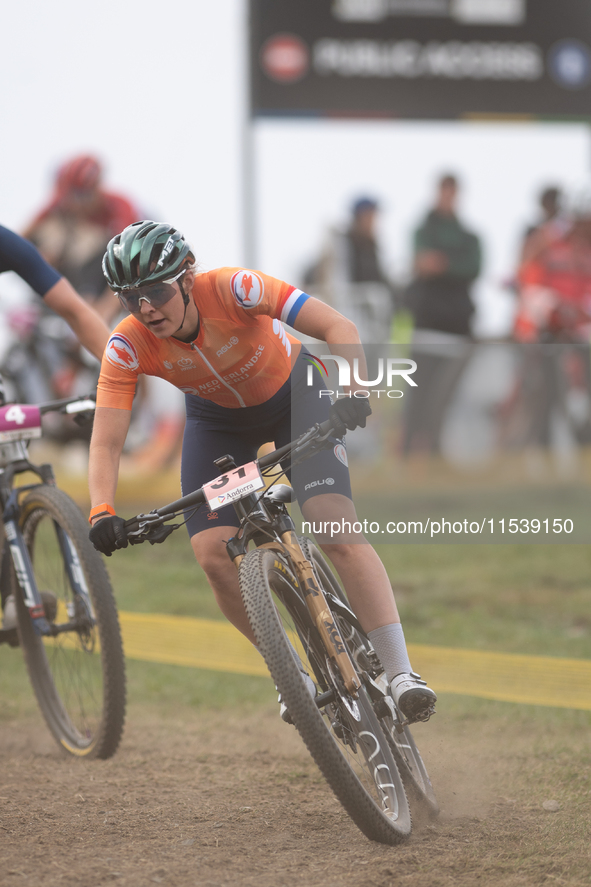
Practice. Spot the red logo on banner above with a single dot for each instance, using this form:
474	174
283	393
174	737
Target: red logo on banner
285	58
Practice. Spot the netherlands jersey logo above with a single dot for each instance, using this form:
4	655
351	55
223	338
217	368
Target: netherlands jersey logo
247	288
341	454
121	353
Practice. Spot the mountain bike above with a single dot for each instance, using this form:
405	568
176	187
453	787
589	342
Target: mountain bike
305	629
57	594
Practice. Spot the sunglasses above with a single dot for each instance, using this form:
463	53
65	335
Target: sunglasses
155	294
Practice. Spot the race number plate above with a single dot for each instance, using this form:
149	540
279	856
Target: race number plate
19	422
236	484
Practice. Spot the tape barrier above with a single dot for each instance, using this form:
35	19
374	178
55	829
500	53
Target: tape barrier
217	646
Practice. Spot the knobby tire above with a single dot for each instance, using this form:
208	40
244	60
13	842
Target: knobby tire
79	676
406	754
268	586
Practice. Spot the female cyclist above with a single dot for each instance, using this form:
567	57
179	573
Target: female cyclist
219	337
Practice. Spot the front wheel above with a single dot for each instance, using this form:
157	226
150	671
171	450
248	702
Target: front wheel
406	754
343	734
78	675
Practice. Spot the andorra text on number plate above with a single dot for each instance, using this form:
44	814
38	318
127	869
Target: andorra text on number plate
236	484
19	422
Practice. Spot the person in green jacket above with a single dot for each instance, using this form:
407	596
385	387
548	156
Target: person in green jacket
447	260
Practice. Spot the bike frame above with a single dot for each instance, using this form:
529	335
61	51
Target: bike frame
266	530
14	457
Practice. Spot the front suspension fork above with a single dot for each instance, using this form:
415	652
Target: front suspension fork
317	606
24	570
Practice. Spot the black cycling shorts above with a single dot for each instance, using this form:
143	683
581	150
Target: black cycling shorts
212	431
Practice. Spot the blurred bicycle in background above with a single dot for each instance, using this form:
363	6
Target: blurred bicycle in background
57	601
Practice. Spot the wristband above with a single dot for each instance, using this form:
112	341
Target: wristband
99	511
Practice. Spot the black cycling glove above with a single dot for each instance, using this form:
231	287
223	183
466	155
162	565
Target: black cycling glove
109	534
349	413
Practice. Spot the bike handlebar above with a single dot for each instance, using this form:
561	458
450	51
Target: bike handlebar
318	434
57	405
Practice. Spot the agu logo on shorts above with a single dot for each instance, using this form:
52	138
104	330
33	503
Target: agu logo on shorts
121	353
247	288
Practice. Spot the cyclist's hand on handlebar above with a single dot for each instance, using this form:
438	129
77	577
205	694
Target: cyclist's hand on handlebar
109	534
349	413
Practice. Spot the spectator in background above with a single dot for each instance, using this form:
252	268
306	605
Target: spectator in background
555	287
447	261
349	275
73	230
554	308
551	225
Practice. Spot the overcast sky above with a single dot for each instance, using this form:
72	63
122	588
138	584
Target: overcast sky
157	91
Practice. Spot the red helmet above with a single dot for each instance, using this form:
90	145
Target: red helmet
80	174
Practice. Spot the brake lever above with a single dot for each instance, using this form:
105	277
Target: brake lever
312	441
150	528
159	535
153	536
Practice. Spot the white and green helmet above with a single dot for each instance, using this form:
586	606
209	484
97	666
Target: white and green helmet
144	253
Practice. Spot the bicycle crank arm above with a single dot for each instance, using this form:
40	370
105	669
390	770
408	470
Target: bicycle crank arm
65	627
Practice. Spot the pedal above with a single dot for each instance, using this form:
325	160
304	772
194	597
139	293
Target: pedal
424	717
338	731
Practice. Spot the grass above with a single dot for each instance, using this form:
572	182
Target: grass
532	599
513	598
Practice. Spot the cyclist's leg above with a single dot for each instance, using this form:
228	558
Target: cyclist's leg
209	547
370	593
206	440
356	561
332	517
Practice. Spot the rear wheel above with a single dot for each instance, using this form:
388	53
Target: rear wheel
78	676
342	734
410	763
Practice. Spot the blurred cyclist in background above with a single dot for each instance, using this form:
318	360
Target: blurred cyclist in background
20	256
73	230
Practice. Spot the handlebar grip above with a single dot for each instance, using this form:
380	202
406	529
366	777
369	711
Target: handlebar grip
132	524
55	405
326	427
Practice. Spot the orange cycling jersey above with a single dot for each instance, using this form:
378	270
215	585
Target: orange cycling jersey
240	358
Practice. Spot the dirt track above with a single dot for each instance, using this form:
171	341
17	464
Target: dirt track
208	803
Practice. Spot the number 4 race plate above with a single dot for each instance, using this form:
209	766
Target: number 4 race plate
19	422
234	485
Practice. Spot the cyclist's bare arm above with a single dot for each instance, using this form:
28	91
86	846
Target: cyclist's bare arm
322	322
90	329
108	436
